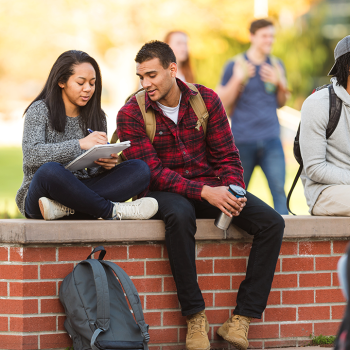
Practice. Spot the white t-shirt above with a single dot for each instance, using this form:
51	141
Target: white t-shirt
171	112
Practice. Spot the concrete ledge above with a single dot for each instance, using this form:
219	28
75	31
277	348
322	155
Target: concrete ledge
24	231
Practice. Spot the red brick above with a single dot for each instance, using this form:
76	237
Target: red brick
150	347
297	297
263	331
54	341
158	268
327	328
33	324
3	289
208	299
60	323
314	248
18	272
51	306
280	343
230	265
214	282
54	271
119	252
3	254
14	307
217	316
165	252
237	280
168	335
278	265
329	296
15	342
285	281
145	251
297	264
289	248
174	347
274	298
169	284
338	312
144	285
296	330
73	253
315	280
4	324
133	268
339	247
214	250
33	254
327	263
204	266
280	314
241	249
255	345
173	318
225	299
153	318
31	289
336	282
314	313
164	301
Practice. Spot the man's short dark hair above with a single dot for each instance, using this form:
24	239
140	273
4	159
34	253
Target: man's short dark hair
156	49
342	70
258	24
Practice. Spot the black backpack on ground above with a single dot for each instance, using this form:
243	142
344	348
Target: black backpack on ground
335	106
98	315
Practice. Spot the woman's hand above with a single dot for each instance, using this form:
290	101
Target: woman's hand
93	139
108	163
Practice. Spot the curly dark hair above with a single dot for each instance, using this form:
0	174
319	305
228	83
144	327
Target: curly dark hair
342	70
156	49
258	24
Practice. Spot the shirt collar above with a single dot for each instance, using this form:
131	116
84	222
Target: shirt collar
186	94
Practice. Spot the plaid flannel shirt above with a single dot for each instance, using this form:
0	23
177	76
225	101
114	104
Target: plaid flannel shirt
181	159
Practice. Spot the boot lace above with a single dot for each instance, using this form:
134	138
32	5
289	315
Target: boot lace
239	324
196	324
65	209
128	210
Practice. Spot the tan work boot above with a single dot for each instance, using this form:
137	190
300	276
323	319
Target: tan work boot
235	331
197	332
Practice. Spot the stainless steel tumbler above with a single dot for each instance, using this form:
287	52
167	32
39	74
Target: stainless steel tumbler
223	221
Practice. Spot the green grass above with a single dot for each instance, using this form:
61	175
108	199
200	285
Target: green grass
322	339
11	176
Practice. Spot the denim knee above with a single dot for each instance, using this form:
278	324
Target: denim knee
49	171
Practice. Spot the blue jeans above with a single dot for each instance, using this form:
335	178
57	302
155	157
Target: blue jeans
269	155
90	198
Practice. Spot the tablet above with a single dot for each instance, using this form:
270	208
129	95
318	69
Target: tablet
86	160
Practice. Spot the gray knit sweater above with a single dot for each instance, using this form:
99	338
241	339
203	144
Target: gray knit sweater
42	144
326	162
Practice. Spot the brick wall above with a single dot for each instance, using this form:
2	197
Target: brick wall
305	296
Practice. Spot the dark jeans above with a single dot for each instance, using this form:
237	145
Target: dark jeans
268	154
90	198
257	218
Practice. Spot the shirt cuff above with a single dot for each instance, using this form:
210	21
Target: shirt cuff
194	190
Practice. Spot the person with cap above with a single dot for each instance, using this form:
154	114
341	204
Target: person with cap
326	171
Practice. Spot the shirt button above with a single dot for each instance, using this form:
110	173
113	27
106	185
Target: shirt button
186	171
184	152
160	132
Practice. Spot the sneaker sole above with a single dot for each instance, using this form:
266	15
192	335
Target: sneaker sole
235	344
42	209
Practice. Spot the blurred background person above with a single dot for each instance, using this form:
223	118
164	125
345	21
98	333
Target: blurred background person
253	86
178	41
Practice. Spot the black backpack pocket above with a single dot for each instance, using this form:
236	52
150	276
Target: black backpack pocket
112	345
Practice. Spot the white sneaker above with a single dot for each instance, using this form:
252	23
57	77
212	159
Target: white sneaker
51	210
141	209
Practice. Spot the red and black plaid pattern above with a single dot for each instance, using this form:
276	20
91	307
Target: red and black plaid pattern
181	159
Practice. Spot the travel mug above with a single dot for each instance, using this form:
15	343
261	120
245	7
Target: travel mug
223	221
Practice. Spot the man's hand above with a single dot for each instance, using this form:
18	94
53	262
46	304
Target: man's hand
269	74
108	163
221	198
243	71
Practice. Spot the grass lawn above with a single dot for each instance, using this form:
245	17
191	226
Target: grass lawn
11	178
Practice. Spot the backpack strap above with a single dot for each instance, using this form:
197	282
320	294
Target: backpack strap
148	116
102	293
199	108
292	188
133	297
335	107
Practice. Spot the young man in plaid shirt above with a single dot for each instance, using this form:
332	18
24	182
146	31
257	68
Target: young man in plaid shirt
190	175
